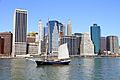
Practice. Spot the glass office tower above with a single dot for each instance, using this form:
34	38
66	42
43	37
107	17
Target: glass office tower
95	37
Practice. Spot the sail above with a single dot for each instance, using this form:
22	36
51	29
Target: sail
63	51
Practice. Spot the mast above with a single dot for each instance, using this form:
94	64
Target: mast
48	37
46	47
47	43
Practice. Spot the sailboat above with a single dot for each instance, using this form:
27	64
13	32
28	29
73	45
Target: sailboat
63	57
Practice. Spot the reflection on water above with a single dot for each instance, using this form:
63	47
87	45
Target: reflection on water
54	72
79	69
87	68
27	70
18	69
5	69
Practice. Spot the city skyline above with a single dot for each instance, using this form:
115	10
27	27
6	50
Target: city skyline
81	13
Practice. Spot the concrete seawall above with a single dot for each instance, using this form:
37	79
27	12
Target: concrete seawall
86	56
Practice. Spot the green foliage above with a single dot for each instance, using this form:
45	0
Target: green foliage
31	33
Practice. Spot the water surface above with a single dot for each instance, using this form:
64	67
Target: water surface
105	68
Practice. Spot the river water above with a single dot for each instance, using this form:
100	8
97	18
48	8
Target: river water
105	68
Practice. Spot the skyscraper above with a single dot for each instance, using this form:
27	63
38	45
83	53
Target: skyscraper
103	44
40	34
73	43
54	29
19	32
86	46
113	44
95	37
55	42
69	28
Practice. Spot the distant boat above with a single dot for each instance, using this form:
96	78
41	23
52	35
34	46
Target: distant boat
63	57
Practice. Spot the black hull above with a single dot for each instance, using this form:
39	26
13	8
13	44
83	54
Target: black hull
52	63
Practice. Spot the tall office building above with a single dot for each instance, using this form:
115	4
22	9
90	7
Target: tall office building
86	46
19	32
95	37
54	29
73	43
103	44
55	42
41	30
69	28
40	35
113	44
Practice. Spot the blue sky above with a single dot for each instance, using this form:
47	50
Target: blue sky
83	13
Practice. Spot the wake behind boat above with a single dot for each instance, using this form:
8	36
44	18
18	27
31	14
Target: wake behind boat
63	57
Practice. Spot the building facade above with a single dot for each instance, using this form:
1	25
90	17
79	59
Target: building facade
113	44
95	37
32	48
78	42
73	43
45	31
7	36
19	32
1	46
86	46
31	39
103	44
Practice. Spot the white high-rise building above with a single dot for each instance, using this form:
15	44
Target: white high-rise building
86	46
55	43
69	28
40	35
19	32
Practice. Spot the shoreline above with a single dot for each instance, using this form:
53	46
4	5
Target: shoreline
72	56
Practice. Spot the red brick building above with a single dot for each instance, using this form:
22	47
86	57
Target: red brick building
31	39
7	36
1	46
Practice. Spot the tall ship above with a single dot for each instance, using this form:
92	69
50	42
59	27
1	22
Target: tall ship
62	58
